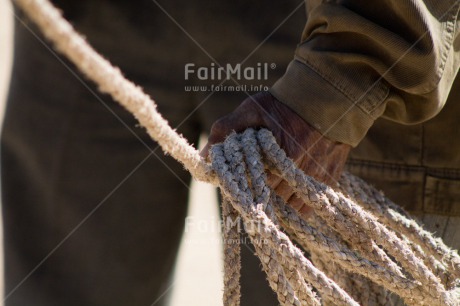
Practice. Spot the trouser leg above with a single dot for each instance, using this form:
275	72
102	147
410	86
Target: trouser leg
91	216
89	171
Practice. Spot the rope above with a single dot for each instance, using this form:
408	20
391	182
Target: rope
362	246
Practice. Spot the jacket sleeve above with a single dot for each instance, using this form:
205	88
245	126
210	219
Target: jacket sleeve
361	59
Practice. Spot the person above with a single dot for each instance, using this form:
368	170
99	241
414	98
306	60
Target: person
359	65
92	210
381	79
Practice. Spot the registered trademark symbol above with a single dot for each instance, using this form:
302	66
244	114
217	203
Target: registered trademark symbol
272	65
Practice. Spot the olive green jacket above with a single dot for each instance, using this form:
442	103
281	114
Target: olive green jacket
389	65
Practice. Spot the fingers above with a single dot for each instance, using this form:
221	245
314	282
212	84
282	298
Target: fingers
284	191
299	205
244	116
273	180
306	211
315	154
324	163
219	131
295	202
260	110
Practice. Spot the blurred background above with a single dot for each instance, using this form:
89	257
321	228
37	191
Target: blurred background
198	274
6	41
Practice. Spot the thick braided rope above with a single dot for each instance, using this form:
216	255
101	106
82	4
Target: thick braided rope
263	195
362	289
232	257
231	157
271	266
356	225
234	187
424	288
337	252
275	271
393	216
350	232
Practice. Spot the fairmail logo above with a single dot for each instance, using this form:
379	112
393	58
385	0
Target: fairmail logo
228	72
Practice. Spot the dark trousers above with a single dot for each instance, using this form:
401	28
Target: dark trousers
93	212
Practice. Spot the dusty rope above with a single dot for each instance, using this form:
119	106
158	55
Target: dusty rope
361	241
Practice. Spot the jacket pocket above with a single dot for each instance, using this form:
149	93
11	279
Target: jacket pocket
442	196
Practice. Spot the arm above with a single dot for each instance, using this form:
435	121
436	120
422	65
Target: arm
358	60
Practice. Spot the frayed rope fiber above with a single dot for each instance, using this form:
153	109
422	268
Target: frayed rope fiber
361	246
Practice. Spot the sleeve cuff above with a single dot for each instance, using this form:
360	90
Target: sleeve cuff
324	106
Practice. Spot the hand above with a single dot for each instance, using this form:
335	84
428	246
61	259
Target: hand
313	153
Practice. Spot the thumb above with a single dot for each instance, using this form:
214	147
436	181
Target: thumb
243	117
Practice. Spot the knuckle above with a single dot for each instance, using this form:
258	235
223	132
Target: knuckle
218	130
219	126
